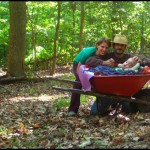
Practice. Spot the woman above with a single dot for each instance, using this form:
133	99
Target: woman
100	50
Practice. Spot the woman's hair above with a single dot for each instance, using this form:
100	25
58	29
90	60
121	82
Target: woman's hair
103	39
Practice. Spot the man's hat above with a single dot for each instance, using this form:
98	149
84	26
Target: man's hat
121	39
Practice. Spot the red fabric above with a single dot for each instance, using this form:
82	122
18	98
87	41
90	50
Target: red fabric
115	64
87	66
146	70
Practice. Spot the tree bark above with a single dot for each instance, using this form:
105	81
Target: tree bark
81	26
55	41
16	55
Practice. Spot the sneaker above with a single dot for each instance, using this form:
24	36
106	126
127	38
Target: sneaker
71	113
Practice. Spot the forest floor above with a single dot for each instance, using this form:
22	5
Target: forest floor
33	115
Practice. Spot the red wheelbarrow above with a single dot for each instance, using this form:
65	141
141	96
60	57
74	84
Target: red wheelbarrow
119	87
123	85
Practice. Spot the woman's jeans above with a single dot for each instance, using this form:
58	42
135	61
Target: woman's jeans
75	98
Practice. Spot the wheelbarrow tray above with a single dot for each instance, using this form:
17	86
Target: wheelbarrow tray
123	85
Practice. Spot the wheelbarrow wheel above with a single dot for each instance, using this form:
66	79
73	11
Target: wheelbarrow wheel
145	96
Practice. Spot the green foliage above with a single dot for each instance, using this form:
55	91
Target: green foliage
71	77
4	23
101	144
62	102
84	99
3	131
3	53
101	19
41	54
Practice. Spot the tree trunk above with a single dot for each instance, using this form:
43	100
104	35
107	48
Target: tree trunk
142	34
55	40
81	26
33	39
113	19
73	27
17	33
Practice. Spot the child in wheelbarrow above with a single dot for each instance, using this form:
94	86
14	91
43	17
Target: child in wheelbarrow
120	44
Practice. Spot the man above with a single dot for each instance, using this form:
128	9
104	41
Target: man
120	44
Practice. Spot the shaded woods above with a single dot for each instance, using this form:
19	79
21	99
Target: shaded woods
39	46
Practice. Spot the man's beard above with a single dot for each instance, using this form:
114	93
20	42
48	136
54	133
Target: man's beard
119	52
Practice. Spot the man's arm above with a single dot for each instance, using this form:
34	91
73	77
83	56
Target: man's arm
93	61
145	62
96	61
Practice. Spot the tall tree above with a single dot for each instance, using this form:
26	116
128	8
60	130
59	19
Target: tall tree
55	40
81	25
16	55
33	37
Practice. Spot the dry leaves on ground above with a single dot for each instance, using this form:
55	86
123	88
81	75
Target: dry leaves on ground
29	120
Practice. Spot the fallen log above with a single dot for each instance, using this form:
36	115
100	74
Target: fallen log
8	80
63	80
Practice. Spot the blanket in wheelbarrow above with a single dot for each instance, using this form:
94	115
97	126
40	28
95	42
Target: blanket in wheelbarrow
85	76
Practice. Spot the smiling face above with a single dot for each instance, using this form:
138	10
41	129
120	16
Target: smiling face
102	48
